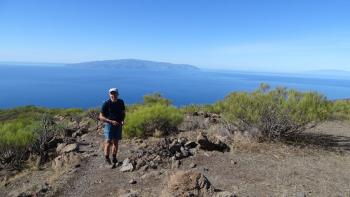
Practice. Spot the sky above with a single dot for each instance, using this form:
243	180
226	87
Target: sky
256	35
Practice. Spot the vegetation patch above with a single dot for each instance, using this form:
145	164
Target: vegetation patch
154	116
275	113
341	110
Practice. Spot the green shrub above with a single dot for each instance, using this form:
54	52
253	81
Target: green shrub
21	137
341	109
28	112
133	107
66	112
19	132
155	98
277	113
188	109
211	108
147	119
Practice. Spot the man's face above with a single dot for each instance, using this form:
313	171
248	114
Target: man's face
113	96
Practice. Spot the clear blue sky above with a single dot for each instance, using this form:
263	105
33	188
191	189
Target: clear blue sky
272	35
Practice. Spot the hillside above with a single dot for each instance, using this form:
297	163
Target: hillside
134	64
248	169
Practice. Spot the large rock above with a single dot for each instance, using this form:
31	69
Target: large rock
67	148
188	183
211	144
60	147
66	161
126	166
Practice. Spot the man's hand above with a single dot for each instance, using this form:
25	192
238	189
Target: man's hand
115	123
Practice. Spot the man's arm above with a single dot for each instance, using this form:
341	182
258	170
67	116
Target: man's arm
104	119
102	116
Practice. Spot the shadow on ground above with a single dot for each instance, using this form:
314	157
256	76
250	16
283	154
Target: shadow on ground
324	141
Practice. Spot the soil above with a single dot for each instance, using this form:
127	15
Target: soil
316	163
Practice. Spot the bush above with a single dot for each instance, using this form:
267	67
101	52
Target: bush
155	98
277	113
66	112
148	119
211	108
20	137
26	112
341	109
18	132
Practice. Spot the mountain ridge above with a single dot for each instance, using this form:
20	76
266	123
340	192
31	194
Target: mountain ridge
136	64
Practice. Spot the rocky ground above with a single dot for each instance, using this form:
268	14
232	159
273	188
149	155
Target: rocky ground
202	160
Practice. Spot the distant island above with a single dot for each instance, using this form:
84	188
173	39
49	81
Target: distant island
134	64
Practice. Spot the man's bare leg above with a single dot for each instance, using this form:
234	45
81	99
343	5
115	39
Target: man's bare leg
107	148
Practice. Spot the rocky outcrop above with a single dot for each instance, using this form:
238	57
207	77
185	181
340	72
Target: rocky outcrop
211	143
66	161
188	183
165	151
66	148
191	183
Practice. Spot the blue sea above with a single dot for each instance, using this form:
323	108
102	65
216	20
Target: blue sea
60	86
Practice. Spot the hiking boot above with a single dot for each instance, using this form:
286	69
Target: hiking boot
108	161
115	160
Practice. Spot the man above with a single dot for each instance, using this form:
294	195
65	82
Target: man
112	114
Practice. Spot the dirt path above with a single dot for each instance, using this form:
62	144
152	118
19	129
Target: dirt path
96	179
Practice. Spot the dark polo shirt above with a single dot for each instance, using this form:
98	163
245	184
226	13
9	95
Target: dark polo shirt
114	110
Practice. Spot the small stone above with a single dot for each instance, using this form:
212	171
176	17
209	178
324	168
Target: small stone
140	163
193	151
182	140
130	194
225	194
126	166
151	174
99	181
178	155
143	145
193	165
132	181
158	158
233	162
184	151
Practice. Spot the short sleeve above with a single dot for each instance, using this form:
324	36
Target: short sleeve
104	109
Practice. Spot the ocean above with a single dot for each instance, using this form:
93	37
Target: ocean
60	86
